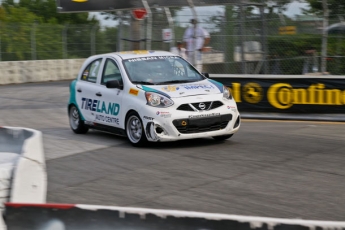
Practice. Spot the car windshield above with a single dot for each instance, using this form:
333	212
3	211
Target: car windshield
160	70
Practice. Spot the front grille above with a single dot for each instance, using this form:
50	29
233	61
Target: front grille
209	105
185	107
199	125
216	104
206	104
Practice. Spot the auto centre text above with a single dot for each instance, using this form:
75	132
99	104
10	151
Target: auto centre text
98	106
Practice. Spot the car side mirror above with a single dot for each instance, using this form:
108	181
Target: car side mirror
114	84
206	75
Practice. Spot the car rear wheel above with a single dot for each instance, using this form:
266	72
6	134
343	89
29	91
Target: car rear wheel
76	124
222	138
135	130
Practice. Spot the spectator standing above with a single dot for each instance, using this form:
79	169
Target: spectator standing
195	39
179	50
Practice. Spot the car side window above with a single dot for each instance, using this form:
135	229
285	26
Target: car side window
91	72
111	72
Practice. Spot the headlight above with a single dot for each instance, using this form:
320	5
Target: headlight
226	93
158	100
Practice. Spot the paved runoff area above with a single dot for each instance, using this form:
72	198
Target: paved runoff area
285	169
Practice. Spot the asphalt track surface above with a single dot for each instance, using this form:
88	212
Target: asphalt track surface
285	169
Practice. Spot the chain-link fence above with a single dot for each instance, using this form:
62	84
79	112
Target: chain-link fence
271	43
47	41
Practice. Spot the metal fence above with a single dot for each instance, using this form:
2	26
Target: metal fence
273	44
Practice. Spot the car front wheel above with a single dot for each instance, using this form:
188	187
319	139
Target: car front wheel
77	125
135	130
222	138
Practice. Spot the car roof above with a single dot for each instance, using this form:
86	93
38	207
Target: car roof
137	54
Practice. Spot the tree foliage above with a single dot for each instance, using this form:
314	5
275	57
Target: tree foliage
336	7
46	11
33	29
15	31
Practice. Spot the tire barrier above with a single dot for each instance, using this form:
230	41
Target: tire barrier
23	175
89	217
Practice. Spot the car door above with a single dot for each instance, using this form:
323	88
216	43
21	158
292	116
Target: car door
86	94
109	111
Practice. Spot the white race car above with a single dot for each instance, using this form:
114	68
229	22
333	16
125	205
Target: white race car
150	96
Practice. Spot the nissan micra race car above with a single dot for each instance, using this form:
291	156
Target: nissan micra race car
151	96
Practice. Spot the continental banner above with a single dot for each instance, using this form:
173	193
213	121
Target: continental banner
287	95
90	217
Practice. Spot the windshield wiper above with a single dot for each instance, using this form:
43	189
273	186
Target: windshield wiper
143	82
174	81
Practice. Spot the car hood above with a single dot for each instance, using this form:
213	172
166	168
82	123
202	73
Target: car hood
205	87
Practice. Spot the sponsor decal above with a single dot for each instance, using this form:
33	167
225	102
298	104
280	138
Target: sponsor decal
134	92
100	106
252	92
163	114
284	96
135	52
233	108
85	74
204	115
107	119
148	118
171	88
151	58
198	86
148	89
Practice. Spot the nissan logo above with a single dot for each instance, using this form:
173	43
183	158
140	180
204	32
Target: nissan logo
202	106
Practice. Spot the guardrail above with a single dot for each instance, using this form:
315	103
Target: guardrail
23	175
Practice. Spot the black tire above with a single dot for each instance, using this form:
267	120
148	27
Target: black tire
135	130
75	123
222	138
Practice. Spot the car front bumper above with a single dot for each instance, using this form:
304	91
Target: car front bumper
169	124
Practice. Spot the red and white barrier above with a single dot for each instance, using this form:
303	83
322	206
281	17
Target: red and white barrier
23	176
90	217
